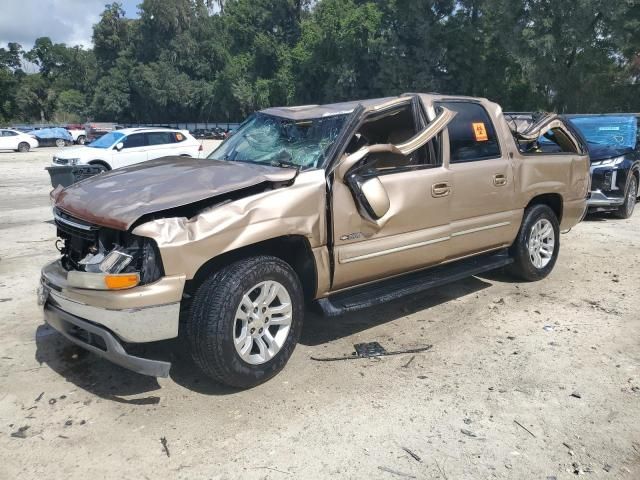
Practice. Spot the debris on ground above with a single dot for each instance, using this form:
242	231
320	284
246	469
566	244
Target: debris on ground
21	432
548	328
414	455
39	397
576	395
468	433
371	350
406	365
525	428
395	472
163	441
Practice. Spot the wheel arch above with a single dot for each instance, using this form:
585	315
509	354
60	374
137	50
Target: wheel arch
100	162
295	250
553	200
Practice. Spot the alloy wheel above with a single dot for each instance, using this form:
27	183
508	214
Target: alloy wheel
262	322
541	243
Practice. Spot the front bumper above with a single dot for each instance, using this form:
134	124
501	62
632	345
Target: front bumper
100	320
600	201
100	341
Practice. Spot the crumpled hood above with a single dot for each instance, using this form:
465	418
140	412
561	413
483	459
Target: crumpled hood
118	198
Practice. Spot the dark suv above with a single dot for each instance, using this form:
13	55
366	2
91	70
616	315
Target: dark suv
614	149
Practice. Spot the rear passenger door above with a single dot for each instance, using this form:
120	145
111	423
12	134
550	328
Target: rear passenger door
482	203
161	144
133	151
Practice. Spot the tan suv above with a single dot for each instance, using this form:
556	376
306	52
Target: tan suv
348	204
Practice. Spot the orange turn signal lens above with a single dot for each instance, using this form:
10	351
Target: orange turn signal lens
118	282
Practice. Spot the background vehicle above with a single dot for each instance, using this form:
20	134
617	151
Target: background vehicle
11	139
349	204
95	130
78	133
128	146
53	137
614	150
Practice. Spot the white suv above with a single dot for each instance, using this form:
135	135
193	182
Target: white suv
130	145
15	140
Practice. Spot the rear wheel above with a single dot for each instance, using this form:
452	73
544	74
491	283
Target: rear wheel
60	143
626	209
81	140
535	250
245	321
23	147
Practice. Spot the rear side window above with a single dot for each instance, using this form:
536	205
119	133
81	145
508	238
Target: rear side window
178	137
471	134
160	138
135	140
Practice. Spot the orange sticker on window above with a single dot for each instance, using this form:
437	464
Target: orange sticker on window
179	137
480	132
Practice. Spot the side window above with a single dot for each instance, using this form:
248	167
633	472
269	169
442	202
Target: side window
134	140
555	140
160	138
178	137
471	134
395	127
8	133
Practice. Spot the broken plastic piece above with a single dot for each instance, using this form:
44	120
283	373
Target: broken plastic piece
372	349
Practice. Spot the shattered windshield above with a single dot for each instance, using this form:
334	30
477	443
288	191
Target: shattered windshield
279	141
614	130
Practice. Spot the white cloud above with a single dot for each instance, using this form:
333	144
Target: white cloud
64	21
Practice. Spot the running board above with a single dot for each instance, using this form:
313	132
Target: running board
386	290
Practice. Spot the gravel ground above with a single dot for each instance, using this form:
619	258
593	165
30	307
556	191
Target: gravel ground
524	381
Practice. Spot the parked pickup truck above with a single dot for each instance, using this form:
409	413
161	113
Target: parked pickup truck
347	205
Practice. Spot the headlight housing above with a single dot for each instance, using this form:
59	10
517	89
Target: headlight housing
610	162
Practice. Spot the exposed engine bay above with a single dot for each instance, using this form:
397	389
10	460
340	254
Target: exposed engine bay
91	248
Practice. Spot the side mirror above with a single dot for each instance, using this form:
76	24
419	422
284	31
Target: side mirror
371	196
119	146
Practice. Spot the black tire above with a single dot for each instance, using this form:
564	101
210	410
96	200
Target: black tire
211	322
103	166
630	198
23	147
523	266
60	143
81	140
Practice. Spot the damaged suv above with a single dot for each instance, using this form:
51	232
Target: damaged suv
347	205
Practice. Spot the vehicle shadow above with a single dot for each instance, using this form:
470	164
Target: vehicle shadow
111	382
319	329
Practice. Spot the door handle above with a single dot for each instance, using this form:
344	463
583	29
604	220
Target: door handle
499	180
440	189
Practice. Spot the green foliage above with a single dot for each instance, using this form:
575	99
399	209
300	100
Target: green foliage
185	60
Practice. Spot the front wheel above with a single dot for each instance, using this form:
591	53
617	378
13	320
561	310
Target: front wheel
626	209
60	143
23	147
245	321
536	247
81	140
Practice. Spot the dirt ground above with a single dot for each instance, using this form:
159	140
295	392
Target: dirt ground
524	381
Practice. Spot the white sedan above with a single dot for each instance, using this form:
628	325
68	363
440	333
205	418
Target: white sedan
15	140
128	146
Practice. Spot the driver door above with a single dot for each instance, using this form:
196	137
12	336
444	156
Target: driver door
407	227
134	150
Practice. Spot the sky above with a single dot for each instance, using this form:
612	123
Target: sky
64	21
